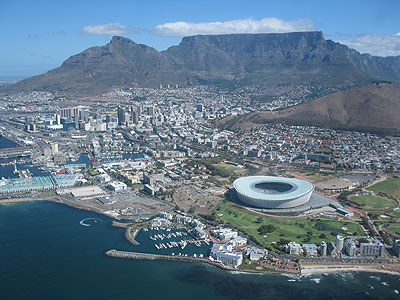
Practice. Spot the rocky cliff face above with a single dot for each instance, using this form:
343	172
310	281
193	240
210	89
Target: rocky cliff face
235	59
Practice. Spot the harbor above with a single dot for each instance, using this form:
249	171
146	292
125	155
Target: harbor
169	242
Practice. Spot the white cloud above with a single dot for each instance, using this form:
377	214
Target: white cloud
106	29
380	45
266	25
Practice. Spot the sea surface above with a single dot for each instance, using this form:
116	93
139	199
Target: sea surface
45	253
6	143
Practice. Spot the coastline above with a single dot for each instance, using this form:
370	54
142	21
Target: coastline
331	269
60	200
305	269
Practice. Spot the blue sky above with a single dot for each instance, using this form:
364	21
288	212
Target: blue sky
39	35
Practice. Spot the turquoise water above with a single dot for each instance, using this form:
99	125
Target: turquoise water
46	254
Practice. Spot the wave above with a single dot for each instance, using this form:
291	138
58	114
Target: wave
82	222
316	280
385	283
246	273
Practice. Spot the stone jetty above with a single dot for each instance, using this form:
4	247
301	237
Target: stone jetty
148	256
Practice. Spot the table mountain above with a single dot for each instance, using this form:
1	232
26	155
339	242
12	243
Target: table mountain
225	60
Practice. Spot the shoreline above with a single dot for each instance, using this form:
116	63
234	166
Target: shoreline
305	269
60	200
332	269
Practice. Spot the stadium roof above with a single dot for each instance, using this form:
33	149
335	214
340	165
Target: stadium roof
247	187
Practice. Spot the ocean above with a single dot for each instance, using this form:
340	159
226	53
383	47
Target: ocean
45	253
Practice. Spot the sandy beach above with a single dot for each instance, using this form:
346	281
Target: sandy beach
307	269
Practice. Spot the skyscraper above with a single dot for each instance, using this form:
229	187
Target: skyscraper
150	110
134	116
121	116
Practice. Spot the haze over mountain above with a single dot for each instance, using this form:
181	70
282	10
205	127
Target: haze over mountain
373	108
232	59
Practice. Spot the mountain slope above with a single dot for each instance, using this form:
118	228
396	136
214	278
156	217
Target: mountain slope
374	108
232	59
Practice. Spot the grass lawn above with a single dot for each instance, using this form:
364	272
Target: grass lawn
390	186
292	229
229	169
396	213
374	202
47	194
395	227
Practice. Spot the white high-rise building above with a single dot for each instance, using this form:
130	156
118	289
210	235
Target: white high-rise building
339	243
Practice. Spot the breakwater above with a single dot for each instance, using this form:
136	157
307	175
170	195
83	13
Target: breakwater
148	256
131	238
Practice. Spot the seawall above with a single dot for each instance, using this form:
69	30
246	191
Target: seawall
148	256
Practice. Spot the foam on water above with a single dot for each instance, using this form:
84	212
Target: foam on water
84	221
316	280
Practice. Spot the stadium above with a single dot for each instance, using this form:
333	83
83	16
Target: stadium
270	192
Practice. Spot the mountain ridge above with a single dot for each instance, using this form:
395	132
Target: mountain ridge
230	59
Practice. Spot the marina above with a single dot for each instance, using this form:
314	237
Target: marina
173	242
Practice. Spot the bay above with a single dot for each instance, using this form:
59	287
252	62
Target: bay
46	254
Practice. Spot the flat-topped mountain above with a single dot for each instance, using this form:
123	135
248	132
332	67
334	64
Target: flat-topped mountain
374	108
227	60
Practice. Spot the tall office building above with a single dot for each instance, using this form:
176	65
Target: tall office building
134	116
54	148
69	112
151	110
83	115
121	116
138	111
58	119
76	119
66	113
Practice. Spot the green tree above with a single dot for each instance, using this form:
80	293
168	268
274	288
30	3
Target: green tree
263	229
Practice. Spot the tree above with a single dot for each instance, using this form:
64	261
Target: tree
259	220
263	229
322	236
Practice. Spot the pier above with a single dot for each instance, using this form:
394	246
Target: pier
148	256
